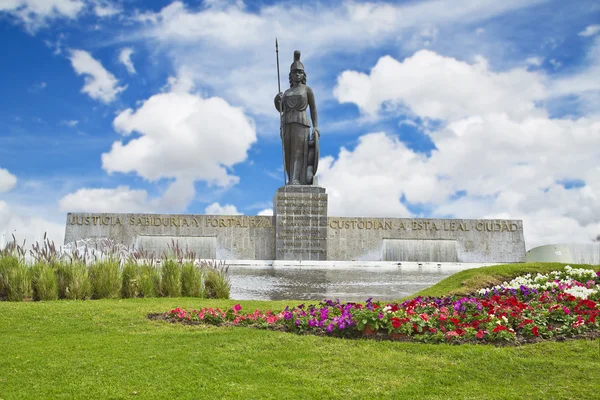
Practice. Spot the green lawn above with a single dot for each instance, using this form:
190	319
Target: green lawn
107	349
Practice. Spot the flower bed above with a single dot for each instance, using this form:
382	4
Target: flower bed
559	304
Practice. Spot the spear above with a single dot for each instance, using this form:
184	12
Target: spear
280	111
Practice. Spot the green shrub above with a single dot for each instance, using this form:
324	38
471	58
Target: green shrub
43	282
191	280
170	282
131	280
14	278
149	280
105	276
73	280
216	282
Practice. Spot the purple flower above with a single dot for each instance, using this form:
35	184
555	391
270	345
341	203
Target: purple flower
312	322
329	328
298	322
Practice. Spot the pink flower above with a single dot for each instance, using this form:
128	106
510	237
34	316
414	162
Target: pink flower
566	310
237	308
479	334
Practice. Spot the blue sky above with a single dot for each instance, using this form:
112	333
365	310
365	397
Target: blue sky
462	109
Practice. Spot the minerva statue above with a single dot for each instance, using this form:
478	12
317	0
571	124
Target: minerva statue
300	148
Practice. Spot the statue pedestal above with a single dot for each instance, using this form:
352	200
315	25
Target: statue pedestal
300	214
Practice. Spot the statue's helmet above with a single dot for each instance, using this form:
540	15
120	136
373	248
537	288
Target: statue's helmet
296	64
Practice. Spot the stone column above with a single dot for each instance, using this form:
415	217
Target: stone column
300	223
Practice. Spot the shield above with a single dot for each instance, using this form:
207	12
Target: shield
312	159
316	163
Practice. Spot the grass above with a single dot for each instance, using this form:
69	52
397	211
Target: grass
107	349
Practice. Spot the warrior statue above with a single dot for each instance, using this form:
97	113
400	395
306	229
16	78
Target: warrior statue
301	149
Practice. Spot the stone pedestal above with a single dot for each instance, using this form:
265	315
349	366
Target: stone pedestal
300	214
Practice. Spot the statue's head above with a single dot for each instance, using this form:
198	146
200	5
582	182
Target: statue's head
296	67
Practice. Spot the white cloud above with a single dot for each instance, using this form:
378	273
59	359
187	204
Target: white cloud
104	8
422	83
99	83
370	180
7	180
28	228
122	199
495	145
227	31
125	59
182	135
590	30
217	209
584	80
534	61
266	212
36	14
71	122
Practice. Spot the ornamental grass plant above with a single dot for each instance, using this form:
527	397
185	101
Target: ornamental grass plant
73	280
171	278
43	282
216	281
105	276
15	282
110	272
192	280
149	280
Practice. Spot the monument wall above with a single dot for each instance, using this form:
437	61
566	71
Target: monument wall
348	238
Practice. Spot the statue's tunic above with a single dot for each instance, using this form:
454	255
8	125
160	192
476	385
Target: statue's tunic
296	133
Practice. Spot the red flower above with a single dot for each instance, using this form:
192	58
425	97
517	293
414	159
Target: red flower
396	322
535	331
424	317
480	334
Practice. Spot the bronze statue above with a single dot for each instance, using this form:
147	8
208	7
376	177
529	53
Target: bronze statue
300	148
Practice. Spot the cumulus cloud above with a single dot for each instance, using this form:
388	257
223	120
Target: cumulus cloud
370	180
100	84
28	228
217	209
122	199
266	212
498	153
182	135
35	14
125	59
226	32
104	8
590	30
7	180
422	82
